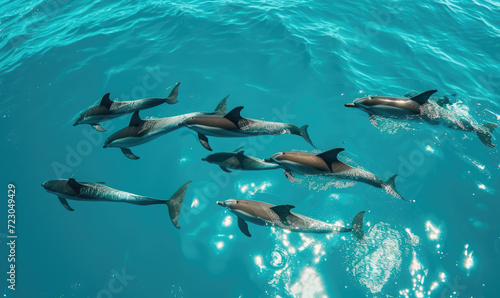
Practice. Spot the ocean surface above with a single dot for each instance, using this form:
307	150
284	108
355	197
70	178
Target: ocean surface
286	61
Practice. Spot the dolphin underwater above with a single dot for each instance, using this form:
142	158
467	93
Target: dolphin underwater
70	189
239	161
264	214
108	109
327	164
141	131
419	107
233	125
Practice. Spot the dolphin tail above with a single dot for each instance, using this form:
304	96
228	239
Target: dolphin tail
175	203
172	97
356	226
390	187
484	133
305	134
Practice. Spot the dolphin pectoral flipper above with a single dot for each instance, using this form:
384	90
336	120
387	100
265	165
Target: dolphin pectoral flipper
175	203
225	169
172	97
243	227
106	102
65	204
128	153
75	185
283	211
221	107
234	116
423	97
98	127
289	176
204	141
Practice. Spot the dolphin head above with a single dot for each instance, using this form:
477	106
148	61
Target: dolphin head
233	204
54	185
363	103
80	118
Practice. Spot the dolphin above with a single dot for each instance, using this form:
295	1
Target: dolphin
239	161
141	131
327	164
108	109
233	125
70	189
419	107
264	214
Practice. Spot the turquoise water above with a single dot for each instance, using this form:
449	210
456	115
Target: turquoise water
299	61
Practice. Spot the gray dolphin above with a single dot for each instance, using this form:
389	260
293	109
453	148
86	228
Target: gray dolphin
70	189
239	161
419	107
328	164
264	214
141	131
233	125
108	109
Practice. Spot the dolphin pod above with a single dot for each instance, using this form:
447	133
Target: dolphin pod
221	124
419	107
70	189
264	214
108	109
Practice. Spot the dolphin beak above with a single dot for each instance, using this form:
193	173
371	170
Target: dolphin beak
220	203
204	159
350	105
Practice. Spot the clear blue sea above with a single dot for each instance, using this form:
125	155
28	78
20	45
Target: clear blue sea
299	61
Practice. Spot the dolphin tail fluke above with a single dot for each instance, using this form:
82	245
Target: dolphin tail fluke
175	203
357	225
305	134
484	133
390	187
172	97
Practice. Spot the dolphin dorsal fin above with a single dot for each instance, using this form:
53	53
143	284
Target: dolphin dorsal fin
234	115
423	97
106	102
283	211
75	185
331	156
135	120
221	107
